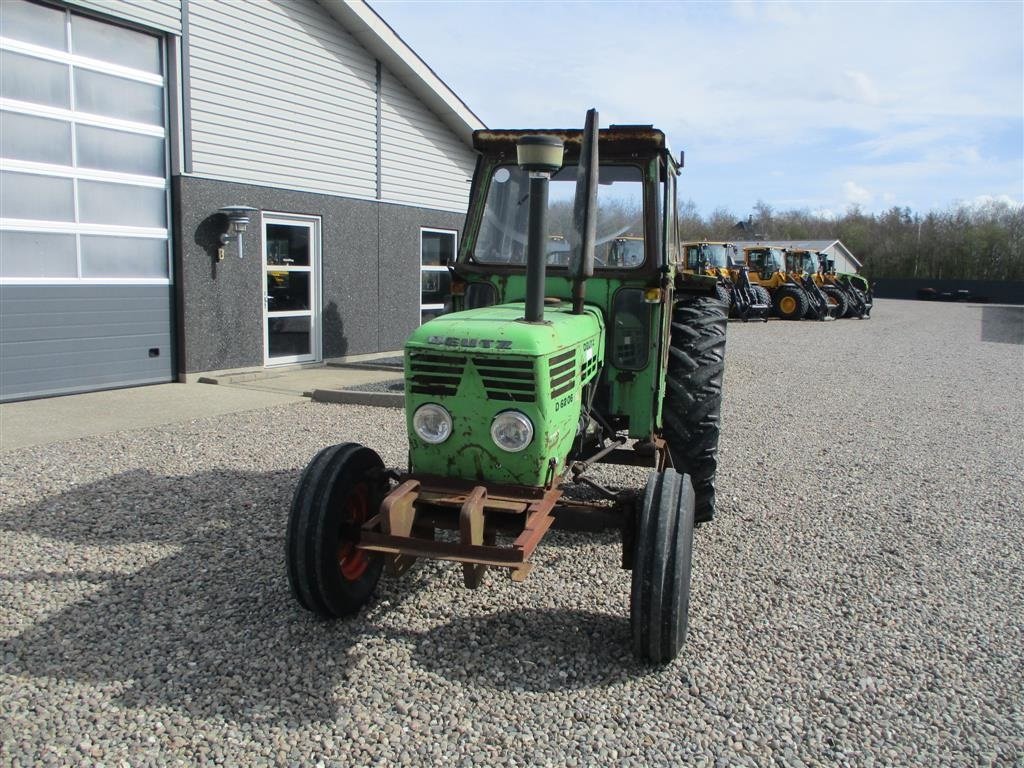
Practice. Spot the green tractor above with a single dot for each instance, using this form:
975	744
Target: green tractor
542	371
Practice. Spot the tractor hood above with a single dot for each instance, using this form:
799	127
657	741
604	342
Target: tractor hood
503	330
481	363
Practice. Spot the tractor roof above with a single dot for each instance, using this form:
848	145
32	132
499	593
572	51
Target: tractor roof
614	141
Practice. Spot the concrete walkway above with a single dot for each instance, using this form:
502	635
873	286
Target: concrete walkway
305	381
54	419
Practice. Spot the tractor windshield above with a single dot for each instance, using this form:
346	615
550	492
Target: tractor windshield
620	217
801	261
766	260
713	254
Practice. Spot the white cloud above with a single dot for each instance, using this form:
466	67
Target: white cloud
856	194
862	88
824	213
984	200
884	94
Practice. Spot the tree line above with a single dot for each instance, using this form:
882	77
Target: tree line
964	242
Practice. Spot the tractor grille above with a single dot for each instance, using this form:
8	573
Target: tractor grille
588	368
435	374
507	379
563	373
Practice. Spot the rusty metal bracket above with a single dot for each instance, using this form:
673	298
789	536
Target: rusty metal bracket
398	513
471	532
403	528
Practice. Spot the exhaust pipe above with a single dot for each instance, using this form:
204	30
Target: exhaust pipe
585	212
539	156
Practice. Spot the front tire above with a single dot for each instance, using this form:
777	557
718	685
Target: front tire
691	412
790	302
338	491
838	299
662	557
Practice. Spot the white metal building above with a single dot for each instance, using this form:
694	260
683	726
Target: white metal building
126	126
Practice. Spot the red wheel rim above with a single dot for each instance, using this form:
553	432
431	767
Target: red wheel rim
352	561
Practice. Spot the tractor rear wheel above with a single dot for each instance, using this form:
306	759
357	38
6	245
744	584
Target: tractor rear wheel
339	490
693	394
836	298
662	553
790	302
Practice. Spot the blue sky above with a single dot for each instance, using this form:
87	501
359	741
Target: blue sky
802	105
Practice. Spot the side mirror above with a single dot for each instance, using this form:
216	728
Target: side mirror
682	158
585	210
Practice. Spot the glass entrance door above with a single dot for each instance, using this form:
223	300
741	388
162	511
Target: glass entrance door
291	318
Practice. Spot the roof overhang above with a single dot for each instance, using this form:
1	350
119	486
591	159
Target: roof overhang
374	34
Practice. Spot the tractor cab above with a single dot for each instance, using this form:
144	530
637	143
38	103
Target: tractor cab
768	264
711	258
624	252
801	262
558	251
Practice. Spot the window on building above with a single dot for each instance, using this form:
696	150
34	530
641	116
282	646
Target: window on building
83	169
437	251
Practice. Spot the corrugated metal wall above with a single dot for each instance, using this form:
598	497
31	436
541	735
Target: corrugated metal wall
422	161
164	15
281	94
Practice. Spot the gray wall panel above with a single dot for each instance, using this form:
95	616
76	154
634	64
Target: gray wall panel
422	161
158	14
400	255
370	272
56	339
288	97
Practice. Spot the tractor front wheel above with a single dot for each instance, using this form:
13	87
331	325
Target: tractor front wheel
339	490
724	295
790	302
836	298
693	394
662	553
763	297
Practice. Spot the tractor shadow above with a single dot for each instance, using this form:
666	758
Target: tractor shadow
194	613
533	650
179	598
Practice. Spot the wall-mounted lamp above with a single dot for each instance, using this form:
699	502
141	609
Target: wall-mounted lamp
238	220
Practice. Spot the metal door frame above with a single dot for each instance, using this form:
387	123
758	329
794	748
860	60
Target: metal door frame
313	224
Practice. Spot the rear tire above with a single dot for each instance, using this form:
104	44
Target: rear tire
691	412
790	302
339	490
662	555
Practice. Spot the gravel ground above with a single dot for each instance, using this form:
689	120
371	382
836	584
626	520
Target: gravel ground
858	600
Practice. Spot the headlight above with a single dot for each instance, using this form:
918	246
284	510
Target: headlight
511	431
432	423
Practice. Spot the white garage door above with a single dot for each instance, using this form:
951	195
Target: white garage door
84	259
